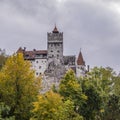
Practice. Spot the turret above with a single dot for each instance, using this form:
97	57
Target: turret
80	60
80	66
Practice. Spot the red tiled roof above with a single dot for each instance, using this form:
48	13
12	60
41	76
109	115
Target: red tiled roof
80	60
40	52
55	30
31	54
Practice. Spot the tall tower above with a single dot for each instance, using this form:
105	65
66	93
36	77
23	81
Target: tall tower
55	44
55	67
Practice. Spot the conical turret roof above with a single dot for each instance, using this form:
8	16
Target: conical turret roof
80	60
55	30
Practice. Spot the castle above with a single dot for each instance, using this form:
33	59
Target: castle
51	63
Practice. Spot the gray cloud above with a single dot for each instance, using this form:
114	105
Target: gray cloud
92	25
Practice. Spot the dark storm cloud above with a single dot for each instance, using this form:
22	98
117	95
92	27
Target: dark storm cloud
92	25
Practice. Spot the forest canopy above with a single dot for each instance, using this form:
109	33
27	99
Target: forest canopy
95	96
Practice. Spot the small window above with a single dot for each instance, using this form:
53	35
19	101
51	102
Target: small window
51	51
39	67
36	73
27	55
55	44
58	51
36	61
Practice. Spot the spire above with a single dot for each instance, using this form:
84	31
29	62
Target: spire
55	30
80	60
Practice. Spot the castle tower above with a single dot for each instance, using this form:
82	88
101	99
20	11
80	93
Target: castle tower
55	44
80	67
55	67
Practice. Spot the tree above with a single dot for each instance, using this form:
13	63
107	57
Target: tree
18	87
3	58
50	106
113	108
4	110
71	90
97	86
113	105
103	79
90	109
116	85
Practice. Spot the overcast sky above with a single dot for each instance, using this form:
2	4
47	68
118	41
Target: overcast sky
93	25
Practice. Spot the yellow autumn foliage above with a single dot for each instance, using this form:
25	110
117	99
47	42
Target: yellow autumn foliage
18	85
51	106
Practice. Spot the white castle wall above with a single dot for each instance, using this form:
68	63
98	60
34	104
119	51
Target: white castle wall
39	65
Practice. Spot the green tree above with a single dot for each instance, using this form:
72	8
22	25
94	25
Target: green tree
90	109
18	87
71	90
116	85
4	110
97	86
50	106
113	105
113	108
103	79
